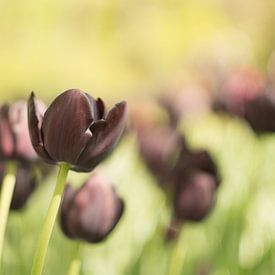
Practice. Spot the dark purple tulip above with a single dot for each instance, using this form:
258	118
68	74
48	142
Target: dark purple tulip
195	196
26	181
91	212
75	129
15	143
196	184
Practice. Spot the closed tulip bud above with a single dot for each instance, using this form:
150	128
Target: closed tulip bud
15	143
195	196
91	212
75	129
195	186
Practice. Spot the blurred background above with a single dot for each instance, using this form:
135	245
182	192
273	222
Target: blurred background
143	49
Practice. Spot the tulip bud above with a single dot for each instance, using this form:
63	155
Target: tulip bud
195	196
91	212
74	129
196	184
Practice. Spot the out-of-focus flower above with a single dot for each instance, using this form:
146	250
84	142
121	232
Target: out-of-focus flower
15	143
28	176
188	177
195	184
195	196
91	212
75	129
245	94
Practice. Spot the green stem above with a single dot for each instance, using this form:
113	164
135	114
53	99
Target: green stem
177	257
48	225
7	190
76	261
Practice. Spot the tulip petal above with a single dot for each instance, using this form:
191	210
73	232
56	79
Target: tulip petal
25	185
195	198
66	125
101	209
106	134
66	204
100	108
35	118
19	122
7	138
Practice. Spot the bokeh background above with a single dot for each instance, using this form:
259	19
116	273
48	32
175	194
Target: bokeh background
130	49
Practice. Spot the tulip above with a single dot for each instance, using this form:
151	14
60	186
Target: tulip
196	184
75	129
15	150
195	196
76	133
91	212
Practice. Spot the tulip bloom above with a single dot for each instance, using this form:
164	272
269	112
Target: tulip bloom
91	212
76	133
75	129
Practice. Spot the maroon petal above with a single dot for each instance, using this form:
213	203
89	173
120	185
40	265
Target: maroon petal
66	204
106	134
195	197
35	117
24	186
65	126
19	122
99	209
100	108
7	139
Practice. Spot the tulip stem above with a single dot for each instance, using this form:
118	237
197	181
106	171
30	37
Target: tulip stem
176	257
48	225
7	190
76	261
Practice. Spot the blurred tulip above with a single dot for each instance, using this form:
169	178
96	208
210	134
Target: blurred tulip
245	95
196	184
195	196
74	129
15	143
28	176
91	212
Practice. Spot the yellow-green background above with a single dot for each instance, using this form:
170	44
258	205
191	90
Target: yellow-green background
122	49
